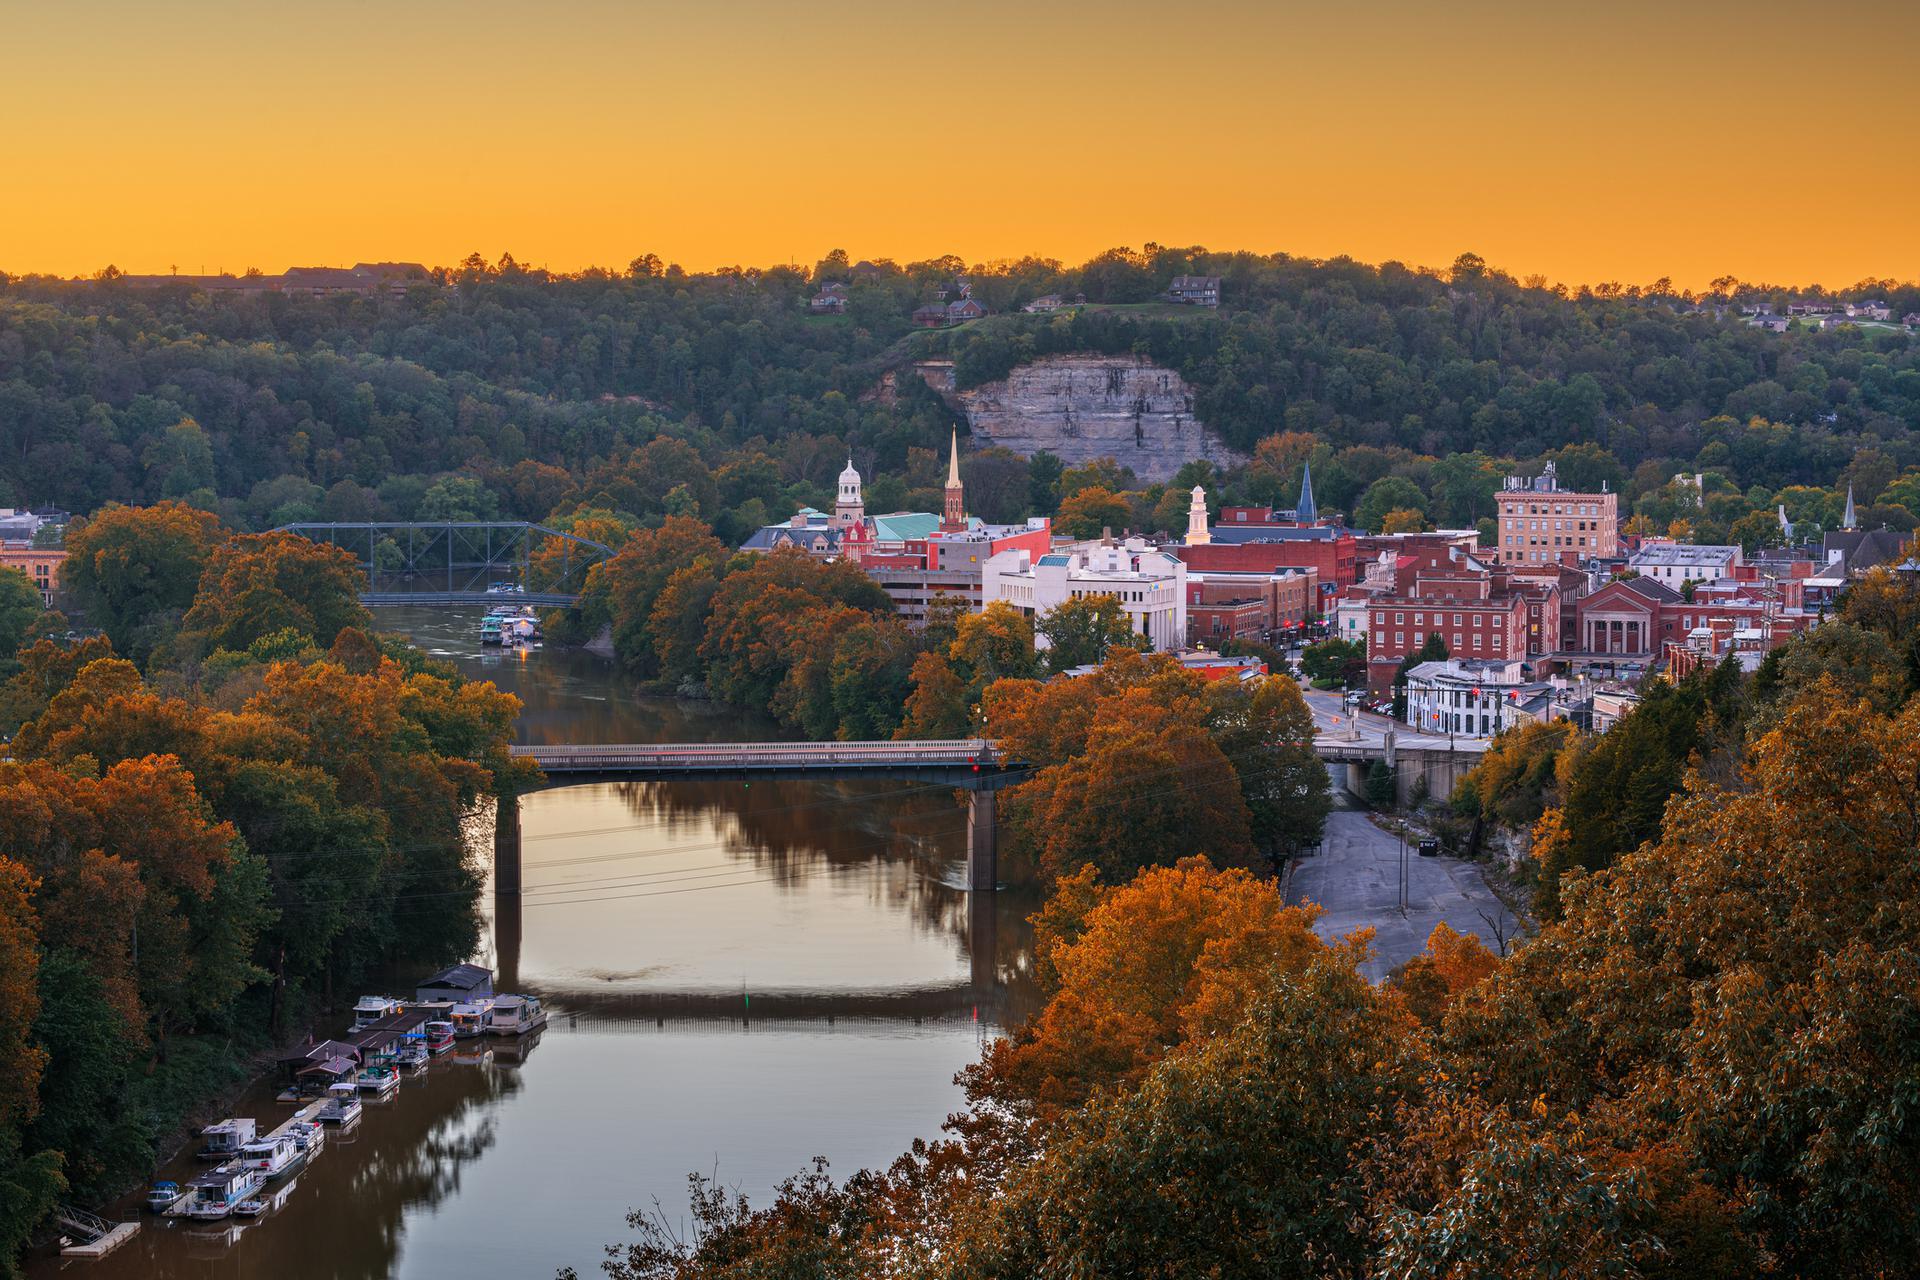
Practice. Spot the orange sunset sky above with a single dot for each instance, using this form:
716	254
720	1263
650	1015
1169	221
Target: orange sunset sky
1604	141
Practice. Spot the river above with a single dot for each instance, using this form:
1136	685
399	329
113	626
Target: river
741	978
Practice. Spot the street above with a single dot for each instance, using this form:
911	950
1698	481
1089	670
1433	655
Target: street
1355	879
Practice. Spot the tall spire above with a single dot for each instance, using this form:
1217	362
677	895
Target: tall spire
1847	520
1304	511
954	517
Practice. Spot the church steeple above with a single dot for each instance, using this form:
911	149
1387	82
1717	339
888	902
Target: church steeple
954	517
1304	510
1197	535
1847	521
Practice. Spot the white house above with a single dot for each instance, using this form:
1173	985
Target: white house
1150	585
1471	697
1674	563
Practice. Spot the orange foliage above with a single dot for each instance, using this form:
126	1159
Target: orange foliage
1178	953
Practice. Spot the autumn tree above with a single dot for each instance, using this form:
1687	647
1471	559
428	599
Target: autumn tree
135	570
257	584
1092	511
631	582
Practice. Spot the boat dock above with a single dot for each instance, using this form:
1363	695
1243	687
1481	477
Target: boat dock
306	1114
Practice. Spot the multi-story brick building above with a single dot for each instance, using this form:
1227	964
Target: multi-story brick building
1475	609
1540	523
40	564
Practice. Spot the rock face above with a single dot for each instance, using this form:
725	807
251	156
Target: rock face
1085	407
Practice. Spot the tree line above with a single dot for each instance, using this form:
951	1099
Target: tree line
501	392
232	803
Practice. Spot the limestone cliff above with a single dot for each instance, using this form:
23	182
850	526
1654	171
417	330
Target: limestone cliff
1084	407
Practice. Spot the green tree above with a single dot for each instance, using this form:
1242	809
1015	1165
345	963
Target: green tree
1385	495
1081	631
134	570
19	609
257	584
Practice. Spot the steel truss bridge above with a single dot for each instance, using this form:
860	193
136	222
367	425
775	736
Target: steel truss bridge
453	562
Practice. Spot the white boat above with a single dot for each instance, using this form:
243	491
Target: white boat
439	1036
164	1196
223	1141
371	1009
250	1208
342	1105
471	1019
413	1054
515	1016
273	1157
308	1135
215	1194
378	1080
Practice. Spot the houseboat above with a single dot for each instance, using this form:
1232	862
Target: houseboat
164	1196
223	1141
413	1055
342	1105
439	1037
515	1015
215	1194
490	629
373	1008
470	1019
273	1157
379	1079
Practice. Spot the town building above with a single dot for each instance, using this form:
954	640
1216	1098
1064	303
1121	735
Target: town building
1474	698
41	565
1675	564
915	556
1265	540
1195	291
1149	584
1541	523
1444	591
1249	606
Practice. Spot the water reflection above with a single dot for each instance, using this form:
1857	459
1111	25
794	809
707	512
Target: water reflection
740	977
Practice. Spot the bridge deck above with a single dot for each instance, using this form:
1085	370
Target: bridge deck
672	758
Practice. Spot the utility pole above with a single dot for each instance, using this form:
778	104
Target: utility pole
1403	870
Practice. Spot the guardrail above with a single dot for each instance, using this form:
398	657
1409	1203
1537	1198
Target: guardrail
765	755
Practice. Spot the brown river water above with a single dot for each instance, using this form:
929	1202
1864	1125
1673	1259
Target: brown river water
740	978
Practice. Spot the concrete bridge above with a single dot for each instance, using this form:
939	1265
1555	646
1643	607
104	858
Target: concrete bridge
973	765
966	764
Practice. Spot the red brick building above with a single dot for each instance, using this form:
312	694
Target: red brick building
1477	611
1541	523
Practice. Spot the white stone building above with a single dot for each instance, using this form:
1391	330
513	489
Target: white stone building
1473	698
1150	585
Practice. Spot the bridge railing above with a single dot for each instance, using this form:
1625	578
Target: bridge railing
737	754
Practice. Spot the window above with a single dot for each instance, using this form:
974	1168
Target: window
1399	618
1399	639
1456	641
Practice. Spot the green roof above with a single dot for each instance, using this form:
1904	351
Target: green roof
904	526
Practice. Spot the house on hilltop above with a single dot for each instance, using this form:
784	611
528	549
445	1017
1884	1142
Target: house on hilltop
1195	291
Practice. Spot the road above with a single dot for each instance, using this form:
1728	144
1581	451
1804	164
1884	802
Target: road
1356	881
1336	721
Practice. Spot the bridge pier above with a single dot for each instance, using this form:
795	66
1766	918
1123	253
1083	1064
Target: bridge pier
506	845
983	941
983	858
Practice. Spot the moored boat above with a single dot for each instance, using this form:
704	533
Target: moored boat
470	1019
379	1080
371	1009
250	1208
223	1141
164	1196
342	1105
216	1193
273	1157
413	1054
439	1036
515	1016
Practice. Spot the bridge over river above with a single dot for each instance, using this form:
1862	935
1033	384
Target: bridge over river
973	765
